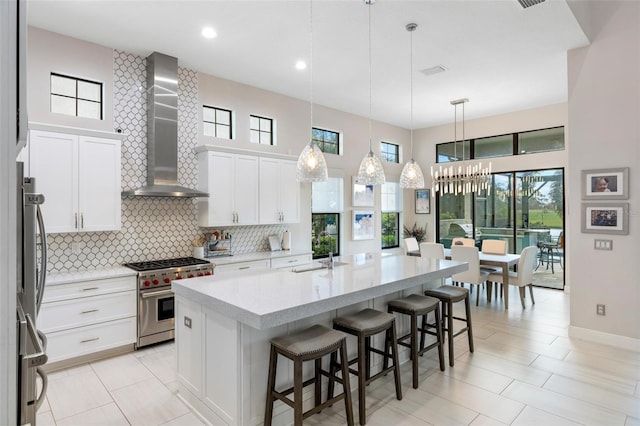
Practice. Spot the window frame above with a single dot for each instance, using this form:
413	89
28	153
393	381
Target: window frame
320	143
261	132
77	98
384	153
216	123
388	208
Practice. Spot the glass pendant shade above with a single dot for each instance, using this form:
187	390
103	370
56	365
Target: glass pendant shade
311	166
371	171
412	177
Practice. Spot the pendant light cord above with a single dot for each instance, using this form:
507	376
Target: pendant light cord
311	66
370	4
411	80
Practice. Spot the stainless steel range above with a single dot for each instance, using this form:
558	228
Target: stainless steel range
155	298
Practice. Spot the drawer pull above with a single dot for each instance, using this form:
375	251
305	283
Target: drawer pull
293	261
90	340
244	267
88	312
91	288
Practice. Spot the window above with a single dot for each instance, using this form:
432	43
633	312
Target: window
493	146
217	122
391	198
260	130
327	140
326	207
541	140
76	96
390	152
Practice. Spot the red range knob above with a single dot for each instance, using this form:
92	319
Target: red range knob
167	280
190	276
208	273
155	281
179	277
147	283
200	274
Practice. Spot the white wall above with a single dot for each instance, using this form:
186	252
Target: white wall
604	112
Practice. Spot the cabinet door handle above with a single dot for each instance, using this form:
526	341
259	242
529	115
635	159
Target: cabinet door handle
90	340
88	312
76	215
90	288
81	220
244	267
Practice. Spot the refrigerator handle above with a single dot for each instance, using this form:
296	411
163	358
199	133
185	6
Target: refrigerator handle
42	276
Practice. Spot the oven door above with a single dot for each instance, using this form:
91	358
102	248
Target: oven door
155	316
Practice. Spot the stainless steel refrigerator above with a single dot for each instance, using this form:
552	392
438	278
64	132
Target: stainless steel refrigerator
31	260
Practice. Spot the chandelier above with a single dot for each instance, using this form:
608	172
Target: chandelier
463	177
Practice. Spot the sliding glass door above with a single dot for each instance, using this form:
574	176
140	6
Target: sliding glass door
525	208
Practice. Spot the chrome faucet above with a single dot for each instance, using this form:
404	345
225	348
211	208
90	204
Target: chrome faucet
330	261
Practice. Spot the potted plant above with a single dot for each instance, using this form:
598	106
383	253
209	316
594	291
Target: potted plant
418	232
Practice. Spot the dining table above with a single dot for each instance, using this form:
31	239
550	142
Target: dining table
504	261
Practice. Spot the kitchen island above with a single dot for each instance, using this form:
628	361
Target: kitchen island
224	324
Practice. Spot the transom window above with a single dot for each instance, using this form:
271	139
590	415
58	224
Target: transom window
390	152
261	130
327	141
217	122
76	96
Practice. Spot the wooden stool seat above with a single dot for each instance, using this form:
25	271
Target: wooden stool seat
364	325
416	305
449	295
310	344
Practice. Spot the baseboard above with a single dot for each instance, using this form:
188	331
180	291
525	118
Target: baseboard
595	336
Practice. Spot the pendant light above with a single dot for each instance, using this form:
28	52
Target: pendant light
311	166
411	176
370	171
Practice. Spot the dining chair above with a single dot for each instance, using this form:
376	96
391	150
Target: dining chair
474	275
490	246
461	241
523	277
432	250
410	244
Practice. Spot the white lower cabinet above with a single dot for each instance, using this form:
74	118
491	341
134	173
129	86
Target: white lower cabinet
81	318
290	261
242	266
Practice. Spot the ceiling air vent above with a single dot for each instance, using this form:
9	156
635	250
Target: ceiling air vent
528	3
434	70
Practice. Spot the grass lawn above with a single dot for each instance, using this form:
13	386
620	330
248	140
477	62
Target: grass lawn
545	218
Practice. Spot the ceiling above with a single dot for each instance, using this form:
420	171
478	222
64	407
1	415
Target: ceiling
498	54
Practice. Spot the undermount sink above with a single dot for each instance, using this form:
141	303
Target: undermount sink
315	266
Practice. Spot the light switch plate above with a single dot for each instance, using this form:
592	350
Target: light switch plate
603	244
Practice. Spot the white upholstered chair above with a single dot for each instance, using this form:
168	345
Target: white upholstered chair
524	276
461	241
474	275
432	250
494	246
411	244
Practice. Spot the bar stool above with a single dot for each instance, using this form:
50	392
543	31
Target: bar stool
448	295
308	345
364	325
416	305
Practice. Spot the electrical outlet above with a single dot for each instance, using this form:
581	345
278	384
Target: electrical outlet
187	322
600	309
603	244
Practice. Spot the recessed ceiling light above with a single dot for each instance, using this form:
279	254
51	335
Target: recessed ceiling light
301	65
208	32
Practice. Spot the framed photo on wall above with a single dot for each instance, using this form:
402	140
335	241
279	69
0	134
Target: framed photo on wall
605	184
605	218
362	194
363	225
423	201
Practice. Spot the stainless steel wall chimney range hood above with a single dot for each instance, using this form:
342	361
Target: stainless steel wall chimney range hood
162	132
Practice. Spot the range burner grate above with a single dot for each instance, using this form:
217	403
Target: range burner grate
165	263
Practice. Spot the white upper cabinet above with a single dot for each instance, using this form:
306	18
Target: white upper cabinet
279	191
232	183
80	179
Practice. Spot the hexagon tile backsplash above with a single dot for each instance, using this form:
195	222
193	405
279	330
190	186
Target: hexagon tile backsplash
152	228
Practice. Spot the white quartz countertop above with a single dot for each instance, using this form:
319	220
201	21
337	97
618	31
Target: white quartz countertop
267	298
93	274
260	255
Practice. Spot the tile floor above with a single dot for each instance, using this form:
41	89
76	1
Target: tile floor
525	371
